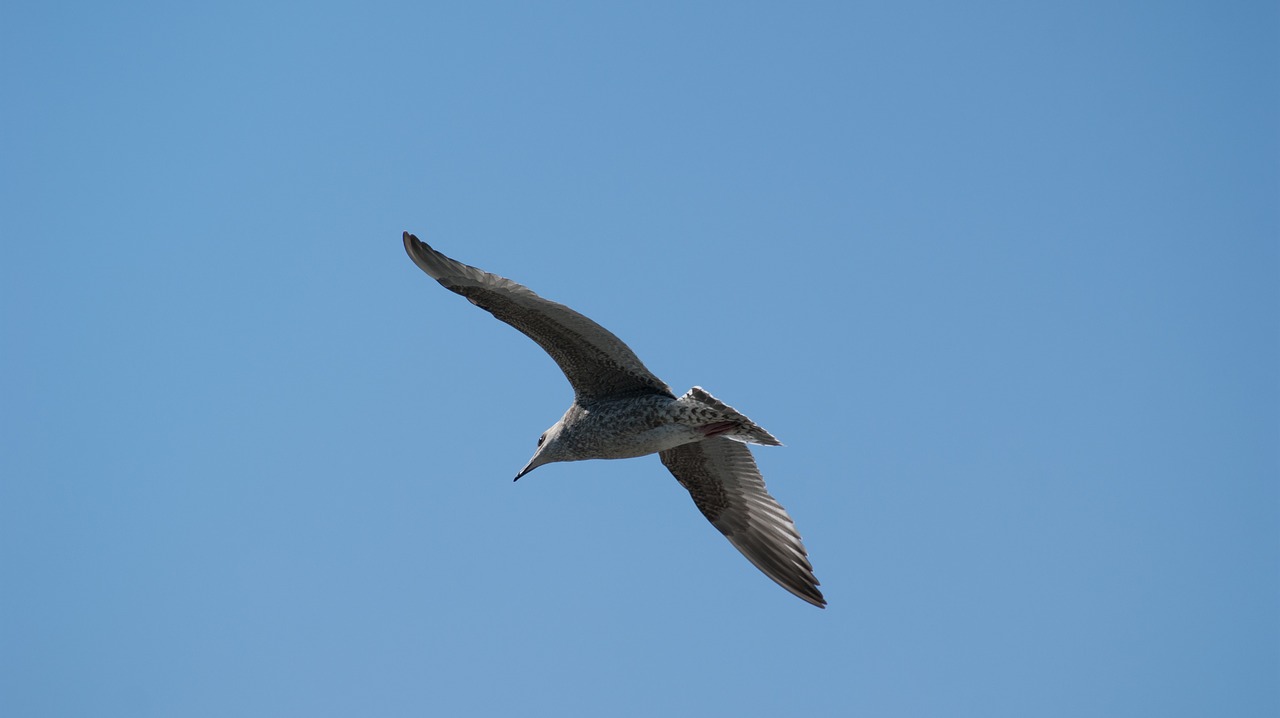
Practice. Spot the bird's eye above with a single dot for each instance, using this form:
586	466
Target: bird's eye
542	439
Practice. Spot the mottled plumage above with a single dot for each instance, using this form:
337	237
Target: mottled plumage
622	410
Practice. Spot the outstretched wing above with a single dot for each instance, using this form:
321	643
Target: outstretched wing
727	487
596	363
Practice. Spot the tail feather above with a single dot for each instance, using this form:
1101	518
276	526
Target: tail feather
747	432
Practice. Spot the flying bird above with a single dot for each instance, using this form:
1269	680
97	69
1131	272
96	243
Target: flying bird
621	410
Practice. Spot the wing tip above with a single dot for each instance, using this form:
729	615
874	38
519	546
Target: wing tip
412	244
436	265
802	584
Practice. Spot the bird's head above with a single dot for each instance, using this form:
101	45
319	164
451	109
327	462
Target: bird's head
549	450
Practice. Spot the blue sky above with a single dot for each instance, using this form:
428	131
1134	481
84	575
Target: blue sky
1002	276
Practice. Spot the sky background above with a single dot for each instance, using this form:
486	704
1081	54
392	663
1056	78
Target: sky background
1002	276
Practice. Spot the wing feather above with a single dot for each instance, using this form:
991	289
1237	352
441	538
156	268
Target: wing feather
596	363
725	483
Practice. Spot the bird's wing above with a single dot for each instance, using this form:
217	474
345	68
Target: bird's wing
597	363
727	487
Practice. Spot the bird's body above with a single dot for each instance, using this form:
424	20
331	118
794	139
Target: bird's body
621	410
624	428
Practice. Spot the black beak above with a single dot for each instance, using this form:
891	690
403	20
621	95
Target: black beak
524	471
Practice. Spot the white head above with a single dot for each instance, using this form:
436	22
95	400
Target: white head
549	450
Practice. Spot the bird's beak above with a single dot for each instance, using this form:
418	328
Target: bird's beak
527	468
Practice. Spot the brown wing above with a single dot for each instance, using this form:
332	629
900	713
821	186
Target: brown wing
727	487
596	363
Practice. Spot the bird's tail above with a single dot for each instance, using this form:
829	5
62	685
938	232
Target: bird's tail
724	420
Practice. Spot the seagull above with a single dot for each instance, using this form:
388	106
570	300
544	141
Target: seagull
621	410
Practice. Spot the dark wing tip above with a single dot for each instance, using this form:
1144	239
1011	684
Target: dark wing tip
436	265
411	246
817	599
794	573
414	247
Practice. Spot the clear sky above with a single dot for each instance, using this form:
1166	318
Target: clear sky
1002	276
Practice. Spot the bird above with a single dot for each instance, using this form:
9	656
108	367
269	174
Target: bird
622	410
